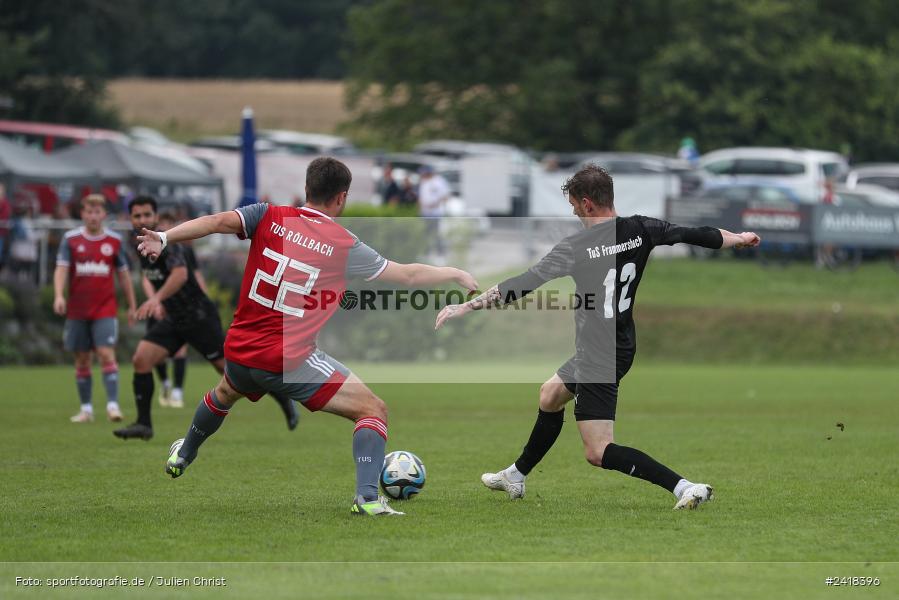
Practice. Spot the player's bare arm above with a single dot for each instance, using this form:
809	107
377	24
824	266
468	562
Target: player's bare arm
60	279
149	292
747	239
175	282
489	298
416	274
128	288
151	243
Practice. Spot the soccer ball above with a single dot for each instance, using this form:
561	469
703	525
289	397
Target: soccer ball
403	475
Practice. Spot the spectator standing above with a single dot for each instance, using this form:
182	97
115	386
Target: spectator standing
23	241
433	193
688	151
408	193
5	215
391	194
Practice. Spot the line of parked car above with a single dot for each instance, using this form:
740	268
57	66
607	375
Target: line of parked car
775	176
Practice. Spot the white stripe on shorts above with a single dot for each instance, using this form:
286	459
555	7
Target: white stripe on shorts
323	366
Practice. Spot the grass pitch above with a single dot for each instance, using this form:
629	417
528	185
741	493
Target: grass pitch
799	498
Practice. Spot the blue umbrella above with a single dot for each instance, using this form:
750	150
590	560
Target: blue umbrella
248	194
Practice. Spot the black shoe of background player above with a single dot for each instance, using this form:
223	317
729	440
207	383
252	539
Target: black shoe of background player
290	412
135	430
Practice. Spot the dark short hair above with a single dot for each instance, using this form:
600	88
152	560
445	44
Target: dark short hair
142	200
592	182
325	178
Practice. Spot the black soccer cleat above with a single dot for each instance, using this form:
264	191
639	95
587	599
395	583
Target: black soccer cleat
290	412
135	430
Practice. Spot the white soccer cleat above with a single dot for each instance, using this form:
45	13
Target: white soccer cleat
373	508
114	414
165	394
695	495
501	482
176	398
83	416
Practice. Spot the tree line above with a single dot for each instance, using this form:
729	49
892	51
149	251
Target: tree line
548	75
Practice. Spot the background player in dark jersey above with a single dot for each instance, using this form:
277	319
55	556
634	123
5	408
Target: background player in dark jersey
184	315
171	391
86	263
606	260
297	267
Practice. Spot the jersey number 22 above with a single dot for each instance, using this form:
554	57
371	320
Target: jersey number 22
284	287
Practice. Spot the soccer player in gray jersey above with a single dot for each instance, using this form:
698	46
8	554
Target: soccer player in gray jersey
606	260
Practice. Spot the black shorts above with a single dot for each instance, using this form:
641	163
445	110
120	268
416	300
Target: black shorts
205	336
594	401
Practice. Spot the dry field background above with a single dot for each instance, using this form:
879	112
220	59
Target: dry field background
187	108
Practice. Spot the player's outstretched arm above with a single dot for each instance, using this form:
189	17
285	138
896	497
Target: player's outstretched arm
152	242
419	275
491	297
747	239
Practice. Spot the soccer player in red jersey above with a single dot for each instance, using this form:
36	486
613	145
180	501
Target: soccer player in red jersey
296	271
87	258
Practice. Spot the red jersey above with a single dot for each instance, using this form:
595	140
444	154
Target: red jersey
92	261
296	273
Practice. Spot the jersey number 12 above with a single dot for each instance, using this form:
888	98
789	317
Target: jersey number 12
628	273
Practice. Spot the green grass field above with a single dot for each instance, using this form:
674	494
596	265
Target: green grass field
798	499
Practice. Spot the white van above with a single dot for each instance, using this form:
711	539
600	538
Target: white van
805	171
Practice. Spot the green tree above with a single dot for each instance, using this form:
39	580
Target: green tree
638	74
503	70
40	83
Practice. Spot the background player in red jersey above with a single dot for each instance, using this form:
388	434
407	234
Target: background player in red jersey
87	258
296	271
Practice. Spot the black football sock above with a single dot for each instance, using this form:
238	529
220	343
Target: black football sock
208	418
179	366
369	442
543	436
143	397
631	461
162	371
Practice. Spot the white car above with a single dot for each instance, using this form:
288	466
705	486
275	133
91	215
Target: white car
805	171
300	142
882	174
862	194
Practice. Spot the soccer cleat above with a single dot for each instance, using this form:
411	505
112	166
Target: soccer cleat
695	495
84	416
373	508
501	482
135	430
290	412
176	465
114	414
165	394
176	398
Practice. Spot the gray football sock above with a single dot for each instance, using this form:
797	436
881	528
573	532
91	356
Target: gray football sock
369	441
208	418
111	382
84	383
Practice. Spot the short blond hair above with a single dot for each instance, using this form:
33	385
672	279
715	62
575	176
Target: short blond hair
93	200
